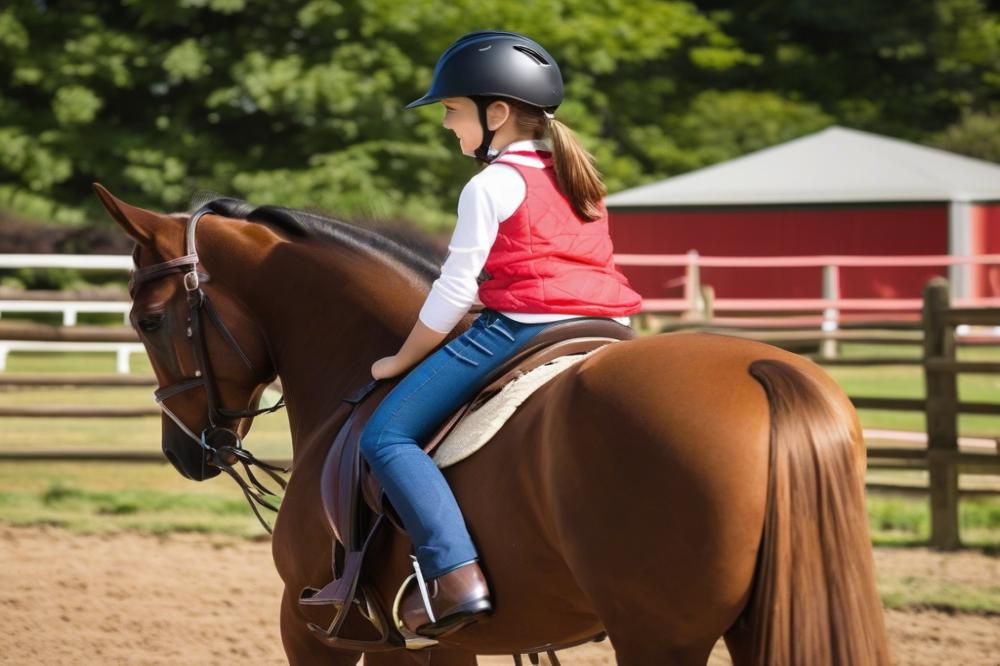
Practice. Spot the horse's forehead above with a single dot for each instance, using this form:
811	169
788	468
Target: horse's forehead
166	245
146	255
158	294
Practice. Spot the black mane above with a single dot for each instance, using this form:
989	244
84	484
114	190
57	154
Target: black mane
407	245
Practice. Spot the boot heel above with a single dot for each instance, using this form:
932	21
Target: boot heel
455	621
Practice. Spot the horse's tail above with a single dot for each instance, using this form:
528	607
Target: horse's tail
814	599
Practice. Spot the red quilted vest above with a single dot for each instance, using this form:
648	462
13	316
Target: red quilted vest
545	260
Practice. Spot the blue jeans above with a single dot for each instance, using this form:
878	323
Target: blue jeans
410	414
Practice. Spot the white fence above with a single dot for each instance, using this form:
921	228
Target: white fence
106	262
69	309
123	350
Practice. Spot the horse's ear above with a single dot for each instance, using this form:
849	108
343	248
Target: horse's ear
139	223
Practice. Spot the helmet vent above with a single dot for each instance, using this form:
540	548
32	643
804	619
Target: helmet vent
531	53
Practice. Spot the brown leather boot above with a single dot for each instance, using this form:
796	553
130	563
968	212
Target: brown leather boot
458	598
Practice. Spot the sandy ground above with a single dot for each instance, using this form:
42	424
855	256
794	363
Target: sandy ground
131	599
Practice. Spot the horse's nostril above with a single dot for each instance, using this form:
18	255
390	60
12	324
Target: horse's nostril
172	459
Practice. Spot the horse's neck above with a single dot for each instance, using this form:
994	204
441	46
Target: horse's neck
327	316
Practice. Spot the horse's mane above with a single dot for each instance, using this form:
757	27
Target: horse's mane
406	244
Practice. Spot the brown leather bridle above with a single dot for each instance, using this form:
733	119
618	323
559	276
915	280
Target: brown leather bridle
224	456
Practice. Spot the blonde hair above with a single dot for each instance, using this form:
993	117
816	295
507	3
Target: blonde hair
576	174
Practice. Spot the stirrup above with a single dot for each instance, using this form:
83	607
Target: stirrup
413	641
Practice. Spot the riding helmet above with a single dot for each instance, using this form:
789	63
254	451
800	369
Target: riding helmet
490	64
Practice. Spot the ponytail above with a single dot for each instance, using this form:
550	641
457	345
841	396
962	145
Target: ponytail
576	174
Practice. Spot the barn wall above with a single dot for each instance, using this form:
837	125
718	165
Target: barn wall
986	240
896	230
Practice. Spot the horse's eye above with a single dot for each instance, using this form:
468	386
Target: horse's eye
150	322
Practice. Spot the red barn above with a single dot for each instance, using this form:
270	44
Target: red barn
839	191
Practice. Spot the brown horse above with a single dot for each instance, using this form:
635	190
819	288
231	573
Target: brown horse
669	490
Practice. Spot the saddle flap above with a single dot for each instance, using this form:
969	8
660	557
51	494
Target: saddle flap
336	592
342	473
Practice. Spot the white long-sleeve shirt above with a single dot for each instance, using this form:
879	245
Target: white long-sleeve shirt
489	198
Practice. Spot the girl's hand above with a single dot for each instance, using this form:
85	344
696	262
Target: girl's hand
387	367
421	341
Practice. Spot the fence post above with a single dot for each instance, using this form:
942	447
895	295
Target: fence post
942	416
692	287
123	356
831	316
708	302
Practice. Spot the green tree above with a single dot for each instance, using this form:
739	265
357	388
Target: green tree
905	69
975	134
300	102
293	102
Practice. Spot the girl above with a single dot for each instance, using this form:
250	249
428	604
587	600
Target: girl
533	221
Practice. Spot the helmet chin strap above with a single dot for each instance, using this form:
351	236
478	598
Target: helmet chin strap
484	153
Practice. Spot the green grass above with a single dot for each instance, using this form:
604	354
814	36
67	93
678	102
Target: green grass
914	592
106	497
908	382
72	362
898	520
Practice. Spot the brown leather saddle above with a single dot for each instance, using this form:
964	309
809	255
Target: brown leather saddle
352	497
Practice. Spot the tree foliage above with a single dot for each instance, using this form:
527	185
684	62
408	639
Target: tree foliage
300	102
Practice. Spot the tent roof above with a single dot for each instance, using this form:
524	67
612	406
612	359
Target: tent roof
836	165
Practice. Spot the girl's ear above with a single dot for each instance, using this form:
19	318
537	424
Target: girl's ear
497	114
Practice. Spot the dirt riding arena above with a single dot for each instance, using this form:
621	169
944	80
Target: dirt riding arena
191	599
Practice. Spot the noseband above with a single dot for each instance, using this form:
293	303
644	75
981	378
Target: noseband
198	302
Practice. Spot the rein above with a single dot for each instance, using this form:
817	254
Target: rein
226	456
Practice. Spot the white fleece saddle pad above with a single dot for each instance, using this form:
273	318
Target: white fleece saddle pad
476	429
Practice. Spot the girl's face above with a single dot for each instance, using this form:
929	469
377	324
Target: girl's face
462	117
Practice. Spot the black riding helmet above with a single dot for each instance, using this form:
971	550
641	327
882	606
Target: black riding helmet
488	65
